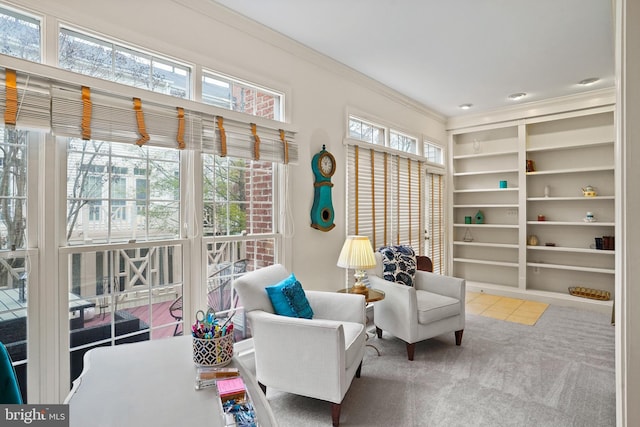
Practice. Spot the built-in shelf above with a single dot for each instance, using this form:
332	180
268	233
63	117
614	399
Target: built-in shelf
488	245
572	170
476	155
577	146
572	268
572	198
570	150
488	172
486	262
486	225
575	223
573	250
495	205
485	190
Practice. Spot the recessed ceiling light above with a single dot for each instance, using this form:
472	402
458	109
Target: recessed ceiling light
465	106
589	81
516	96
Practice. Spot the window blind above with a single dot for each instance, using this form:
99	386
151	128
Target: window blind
229	137
71	110
435	221
384	197
30	98
114	118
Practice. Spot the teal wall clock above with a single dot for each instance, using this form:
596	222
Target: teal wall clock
323	166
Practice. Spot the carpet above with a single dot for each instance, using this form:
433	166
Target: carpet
505	308
559	372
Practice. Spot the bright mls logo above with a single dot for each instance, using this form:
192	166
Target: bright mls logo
35	415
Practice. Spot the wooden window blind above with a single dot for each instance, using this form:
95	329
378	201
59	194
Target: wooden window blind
435	221
385	197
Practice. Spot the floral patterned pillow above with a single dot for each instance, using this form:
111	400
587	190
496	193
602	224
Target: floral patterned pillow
399	264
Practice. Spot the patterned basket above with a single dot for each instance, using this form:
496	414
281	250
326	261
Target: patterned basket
213	352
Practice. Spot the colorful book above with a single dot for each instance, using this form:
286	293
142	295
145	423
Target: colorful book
231	388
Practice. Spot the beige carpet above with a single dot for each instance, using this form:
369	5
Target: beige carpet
505	308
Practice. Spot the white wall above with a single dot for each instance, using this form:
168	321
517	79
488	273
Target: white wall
319	93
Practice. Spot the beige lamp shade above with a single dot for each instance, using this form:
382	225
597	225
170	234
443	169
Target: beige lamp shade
357	253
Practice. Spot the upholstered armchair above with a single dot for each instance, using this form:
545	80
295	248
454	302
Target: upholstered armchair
433	306
315	357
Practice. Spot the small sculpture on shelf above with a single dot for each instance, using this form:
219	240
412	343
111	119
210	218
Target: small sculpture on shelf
589	191
590	217
467	236
479	217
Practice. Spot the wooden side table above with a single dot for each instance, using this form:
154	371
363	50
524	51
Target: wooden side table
372	296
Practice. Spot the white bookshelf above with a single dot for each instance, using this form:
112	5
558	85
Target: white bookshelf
570	151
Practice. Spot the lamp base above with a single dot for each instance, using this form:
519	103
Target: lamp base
360	289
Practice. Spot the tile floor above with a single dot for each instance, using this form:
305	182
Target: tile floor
505	308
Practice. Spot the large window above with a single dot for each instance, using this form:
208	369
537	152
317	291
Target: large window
391	195
20	35
232	94
102	58
128	225
14	267
121	192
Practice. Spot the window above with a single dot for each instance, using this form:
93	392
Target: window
238	196
20	35
367	132
14	260
402	142
433	153
137	200
390	196
232	94
107	60
435	221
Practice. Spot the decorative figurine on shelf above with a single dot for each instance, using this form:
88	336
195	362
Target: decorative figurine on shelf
467	236
479	217
531	166
589	191
532	240
590	217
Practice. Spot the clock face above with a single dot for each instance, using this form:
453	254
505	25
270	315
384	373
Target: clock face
327	164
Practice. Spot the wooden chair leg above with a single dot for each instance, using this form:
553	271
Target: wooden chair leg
335	414
359	370
263	388
459	336
379	332
411	348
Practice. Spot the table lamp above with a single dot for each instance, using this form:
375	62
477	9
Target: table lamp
357	254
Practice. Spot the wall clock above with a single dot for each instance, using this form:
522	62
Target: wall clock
323	166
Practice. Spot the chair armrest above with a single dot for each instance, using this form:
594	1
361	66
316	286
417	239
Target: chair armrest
281	343
399	301
337	306
442	285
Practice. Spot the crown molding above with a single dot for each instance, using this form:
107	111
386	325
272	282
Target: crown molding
563	104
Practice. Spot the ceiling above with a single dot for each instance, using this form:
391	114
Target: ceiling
445	53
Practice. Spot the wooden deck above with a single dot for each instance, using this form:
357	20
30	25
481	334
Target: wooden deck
159	319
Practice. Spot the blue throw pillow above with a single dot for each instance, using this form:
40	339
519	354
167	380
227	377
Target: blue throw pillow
399	264
279	301
298	300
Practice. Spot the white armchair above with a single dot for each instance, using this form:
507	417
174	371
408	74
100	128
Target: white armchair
434	306
316	357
